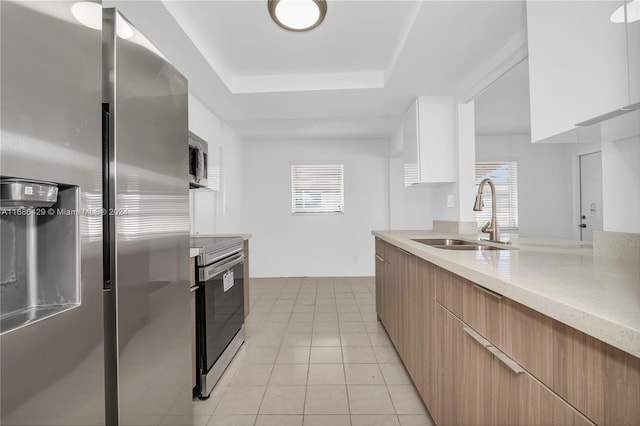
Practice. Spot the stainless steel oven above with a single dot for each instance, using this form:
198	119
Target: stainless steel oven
219	307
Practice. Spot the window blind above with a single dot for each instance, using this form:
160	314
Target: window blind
505	177
317	188
214	171
411	174
214	176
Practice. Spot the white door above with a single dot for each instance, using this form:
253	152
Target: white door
590	195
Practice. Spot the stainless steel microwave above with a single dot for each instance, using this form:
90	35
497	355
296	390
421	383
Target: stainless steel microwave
198	162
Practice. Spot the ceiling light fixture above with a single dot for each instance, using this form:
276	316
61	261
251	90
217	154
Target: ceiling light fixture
89	14
633	13
297	15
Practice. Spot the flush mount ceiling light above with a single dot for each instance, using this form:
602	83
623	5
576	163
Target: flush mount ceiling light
89	14
297	15
633	13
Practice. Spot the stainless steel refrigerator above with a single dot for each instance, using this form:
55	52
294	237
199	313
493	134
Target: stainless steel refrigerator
94	290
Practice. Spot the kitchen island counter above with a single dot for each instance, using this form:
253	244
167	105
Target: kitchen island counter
558	278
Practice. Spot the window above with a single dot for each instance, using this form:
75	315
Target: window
505	177
317	188
214	169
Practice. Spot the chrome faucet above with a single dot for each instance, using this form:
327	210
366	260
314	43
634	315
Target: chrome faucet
490	227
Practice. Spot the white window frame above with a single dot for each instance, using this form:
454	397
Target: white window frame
507	193
324	181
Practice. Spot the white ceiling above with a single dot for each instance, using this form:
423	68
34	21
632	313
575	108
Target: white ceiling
244	42
503	109
353	76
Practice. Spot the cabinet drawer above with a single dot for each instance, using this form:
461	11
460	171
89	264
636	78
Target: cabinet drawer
527	337
481	309
557	355
472	303
567	361
380	247
479	385
622	388
523	400
449	288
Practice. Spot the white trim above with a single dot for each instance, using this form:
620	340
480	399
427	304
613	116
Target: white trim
482	77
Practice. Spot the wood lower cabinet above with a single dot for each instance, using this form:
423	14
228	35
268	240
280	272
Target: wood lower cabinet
566	376
622	388
521	399
578	367
480	388
463	381
527	337
549	350
405	298
424	331
395	275
380	266
381	278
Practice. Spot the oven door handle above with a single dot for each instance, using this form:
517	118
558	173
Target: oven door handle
213	270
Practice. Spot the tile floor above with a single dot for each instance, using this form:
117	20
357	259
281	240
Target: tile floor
315	356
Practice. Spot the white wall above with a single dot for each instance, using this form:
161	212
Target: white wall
621	185
231	206
217	212
314	245
545	182
409	208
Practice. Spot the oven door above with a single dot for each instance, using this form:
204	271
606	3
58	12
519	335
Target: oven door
221	316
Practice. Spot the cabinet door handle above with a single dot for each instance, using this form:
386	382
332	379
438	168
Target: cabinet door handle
502	357
489	292
506	360
404	251
476	336
380	258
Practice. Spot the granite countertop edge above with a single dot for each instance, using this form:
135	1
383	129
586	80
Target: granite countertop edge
558	278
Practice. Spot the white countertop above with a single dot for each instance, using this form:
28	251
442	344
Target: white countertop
193	252
559	278
244	236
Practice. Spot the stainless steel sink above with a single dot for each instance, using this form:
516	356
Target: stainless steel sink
442	242
450	244
468	247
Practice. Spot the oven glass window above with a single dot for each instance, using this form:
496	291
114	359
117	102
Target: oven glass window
223	310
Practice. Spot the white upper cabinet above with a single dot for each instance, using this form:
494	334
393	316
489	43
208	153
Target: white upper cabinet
429	145
633	38
578	67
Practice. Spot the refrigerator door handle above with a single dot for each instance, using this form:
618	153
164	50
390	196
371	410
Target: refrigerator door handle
106	195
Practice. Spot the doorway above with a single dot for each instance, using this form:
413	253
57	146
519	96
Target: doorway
590	195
